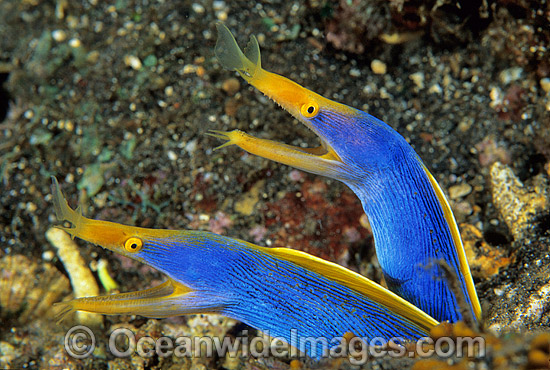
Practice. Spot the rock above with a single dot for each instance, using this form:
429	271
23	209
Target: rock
484	259
516	203
231	86
28	289
378	67
510	75
418	79
133	62
247	202
460	190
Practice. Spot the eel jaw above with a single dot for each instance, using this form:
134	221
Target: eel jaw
164	300
322	160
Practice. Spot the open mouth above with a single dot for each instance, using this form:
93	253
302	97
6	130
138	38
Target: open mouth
238	137
320	160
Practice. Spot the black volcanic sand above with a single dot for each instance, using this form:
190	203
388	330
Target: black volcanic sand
115	98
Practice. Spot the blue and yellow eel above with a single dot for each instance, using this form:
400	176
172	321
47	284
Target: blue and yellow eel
288	293
416	237
285	293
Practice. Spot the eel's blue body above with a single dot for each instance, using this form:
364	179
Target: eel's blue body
309	302
416	236
275	295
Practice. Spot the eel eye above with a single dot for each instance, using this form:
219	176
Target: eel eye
310	109
133	245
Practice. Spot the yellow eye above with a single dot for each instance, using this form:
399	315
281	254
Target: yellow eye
310	109
133	245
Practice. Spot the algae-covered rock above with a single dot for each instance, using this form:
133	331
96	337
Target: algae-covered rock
28	289
517	203
484	259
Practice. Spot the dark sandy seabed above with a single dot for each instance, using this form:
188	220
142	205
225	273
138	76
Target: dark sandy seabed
114	99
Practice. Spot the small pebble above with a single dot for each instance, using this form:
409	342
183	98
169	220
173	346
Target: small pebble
172	156
418	79
191	146
354	72
93	56
435	89
48	255
510	75
75	43
545	84
198	8
218	5
150	61
221	15
378	67
69	126
231	86
495	95
364	221
296	175
169	91
104	277
460	190
231	106
59	35
31	207
133	62
464	208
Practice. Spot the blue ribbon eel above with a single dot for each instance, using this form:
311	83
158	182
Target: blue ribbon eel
285	293
416	237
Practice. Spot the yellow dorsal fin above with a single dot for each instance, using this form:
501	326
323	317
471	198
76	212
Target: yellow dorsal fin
464	267
358	283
